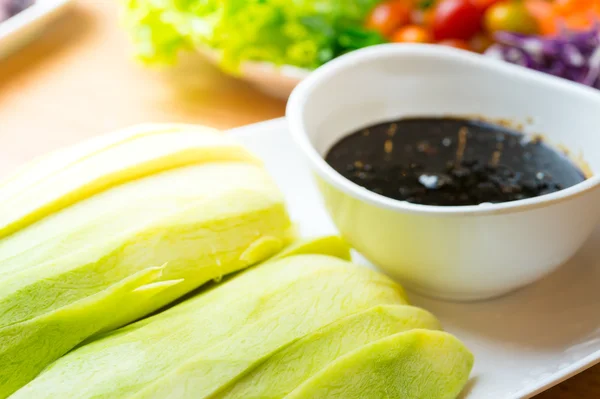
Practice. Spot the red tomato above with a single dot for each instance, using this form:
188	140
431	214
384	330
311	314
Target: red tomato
456	19
412	34
456	43
389	16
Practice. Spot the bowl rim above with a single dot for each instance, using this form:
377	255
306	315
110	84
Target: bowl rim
303	91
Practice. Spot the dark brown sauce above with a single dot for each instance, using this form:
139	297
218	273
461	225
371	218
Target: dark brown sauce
446	161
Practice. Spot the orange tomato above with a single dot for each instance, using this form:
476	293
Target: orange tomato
581	15
581	20
569	7
456	43
387	17
558	14
545	15
412	34
539	8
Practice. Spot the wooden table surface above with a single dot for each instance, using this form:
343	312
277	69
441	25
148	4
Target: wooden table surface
79	80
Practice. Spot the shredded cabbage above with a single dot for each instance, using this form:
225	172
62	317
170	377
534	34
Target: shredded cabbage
570	55
303	33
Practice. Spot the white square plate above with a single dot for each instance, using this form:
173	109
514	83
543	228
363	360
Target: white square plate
523	343
20	29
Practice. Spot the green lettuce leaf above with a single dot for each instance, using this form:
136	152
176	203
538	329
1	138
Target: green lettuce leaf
303	33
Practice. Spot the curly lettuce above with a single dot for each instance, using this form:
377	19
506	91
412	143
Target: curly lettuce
303	33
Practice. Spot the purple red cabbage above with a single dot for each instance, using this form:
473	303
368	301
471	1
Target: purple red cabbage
570	55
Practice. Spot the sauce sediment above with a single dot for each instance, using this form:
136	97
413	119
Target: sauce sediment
448	161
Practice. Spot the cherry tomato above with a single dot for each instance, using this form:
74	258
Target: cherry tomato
387	17
578	14
544	14
568	7
412	34
456	43
456	19
511	16
582	20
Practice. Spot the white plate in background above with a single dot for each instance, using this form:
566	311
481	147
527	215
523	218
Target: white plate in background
277	81
22	28
273	80
524	343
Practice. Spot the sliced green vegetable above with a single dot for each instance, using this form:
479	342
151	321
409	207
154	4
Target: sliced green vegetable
199	346
73	174
92	218
279	374
418	364
199	233
27	347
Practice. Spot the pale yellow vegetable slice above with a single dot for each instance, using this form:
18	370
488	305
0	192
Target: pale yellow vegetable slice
138	202
201	222
279	374
417	364
204	239
197	347
59	181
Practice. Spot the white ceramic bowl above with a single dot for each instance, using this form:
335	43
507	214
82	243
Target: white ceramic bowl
458	253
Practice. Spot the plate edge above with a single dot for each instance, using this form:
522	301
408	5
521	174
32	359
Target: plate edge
38	10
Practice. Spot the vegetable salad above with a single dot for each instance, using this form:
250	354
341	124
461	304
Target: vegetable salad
555	36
